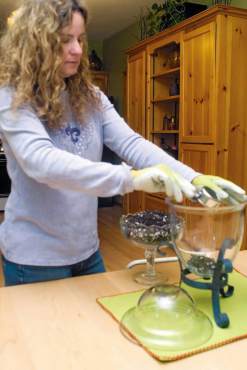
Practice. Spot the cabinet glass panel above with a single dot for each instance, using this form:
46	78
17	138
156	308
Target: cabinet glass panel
164	96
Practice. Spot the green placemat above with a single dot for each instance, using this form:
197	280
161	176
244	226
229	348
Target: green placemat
234	306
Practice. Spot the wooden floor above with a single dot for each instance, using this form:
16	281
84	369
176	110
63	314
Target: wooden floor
116	250
1	271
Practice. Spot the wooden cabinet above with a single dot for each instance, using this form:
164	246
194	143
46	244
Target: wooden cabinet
100	79
196	74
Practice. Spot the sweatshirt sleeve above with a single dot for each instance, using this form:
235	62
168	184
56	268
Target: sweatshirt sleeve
42	161
133	148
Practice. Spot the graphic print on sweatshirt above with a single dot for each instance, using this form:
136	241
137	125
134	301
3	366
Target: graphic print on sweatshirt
73	138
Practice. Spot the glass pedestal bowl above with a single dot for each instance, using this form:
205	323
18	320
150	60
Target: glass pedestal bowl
202	234
207	243
166	318
150	230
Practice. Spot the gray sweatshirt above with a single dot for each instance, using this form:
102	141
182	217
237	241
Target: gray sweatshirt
57	175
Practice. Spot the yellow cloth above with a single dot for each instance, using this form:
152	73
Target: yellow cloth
234	306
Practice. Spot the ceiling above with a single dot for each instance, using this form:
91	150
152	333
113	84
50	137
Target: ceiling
107	17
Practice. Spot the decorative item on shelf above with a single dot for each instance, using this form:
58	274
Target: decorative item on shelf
174	87
169	122
166	120
174	59
172	124
95	62
224	2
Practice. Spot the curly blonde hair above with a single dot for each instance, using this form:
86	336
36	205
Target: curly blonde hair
31	59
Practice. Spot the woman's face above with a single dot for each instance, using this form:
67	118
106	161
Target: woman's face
72	37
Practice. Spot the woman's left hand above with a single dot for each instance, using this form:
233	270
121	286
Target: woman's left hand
225	191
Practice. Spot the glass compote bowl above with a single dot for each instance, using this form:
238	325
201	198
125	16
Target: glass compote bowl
150	230
206	244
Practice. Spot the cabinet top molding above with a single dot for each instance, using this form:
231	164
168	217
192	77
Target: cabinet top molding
203	16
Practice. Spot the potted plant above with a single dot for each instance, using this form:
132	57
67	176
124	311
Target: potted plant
225	2
161	16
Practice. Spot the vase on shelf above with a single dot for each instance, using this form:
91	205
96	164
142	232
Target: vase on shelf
174	87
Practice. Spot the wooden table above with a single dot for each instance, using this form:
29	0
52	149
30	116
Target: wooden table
59	326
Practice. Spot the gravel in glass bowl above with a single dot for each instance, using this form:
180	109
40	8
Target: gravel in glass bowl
150	230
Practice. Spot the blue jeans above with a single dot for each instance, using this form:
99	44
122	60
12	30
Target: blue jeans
15	274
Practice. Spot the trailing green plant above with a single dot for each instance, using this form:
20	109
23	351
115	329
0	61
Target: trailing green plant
224	2
160	16
154	19
174	12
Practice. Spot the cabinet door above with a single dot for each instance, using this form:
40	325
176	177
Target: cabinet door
136	87
198	85
201	157
237	145
135	108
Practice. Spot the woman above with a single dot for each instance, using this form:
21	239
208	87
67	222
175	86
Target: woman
53	123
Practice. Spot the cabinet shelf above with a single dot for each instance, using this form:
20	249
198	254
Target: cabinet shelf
168	99
172	71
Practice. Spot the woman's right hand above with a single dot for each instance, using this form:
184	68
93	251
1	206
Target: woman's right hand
161	178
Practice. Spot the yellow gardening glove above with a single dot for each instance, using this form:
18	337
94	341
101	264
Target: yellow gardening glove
223	190
161	178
